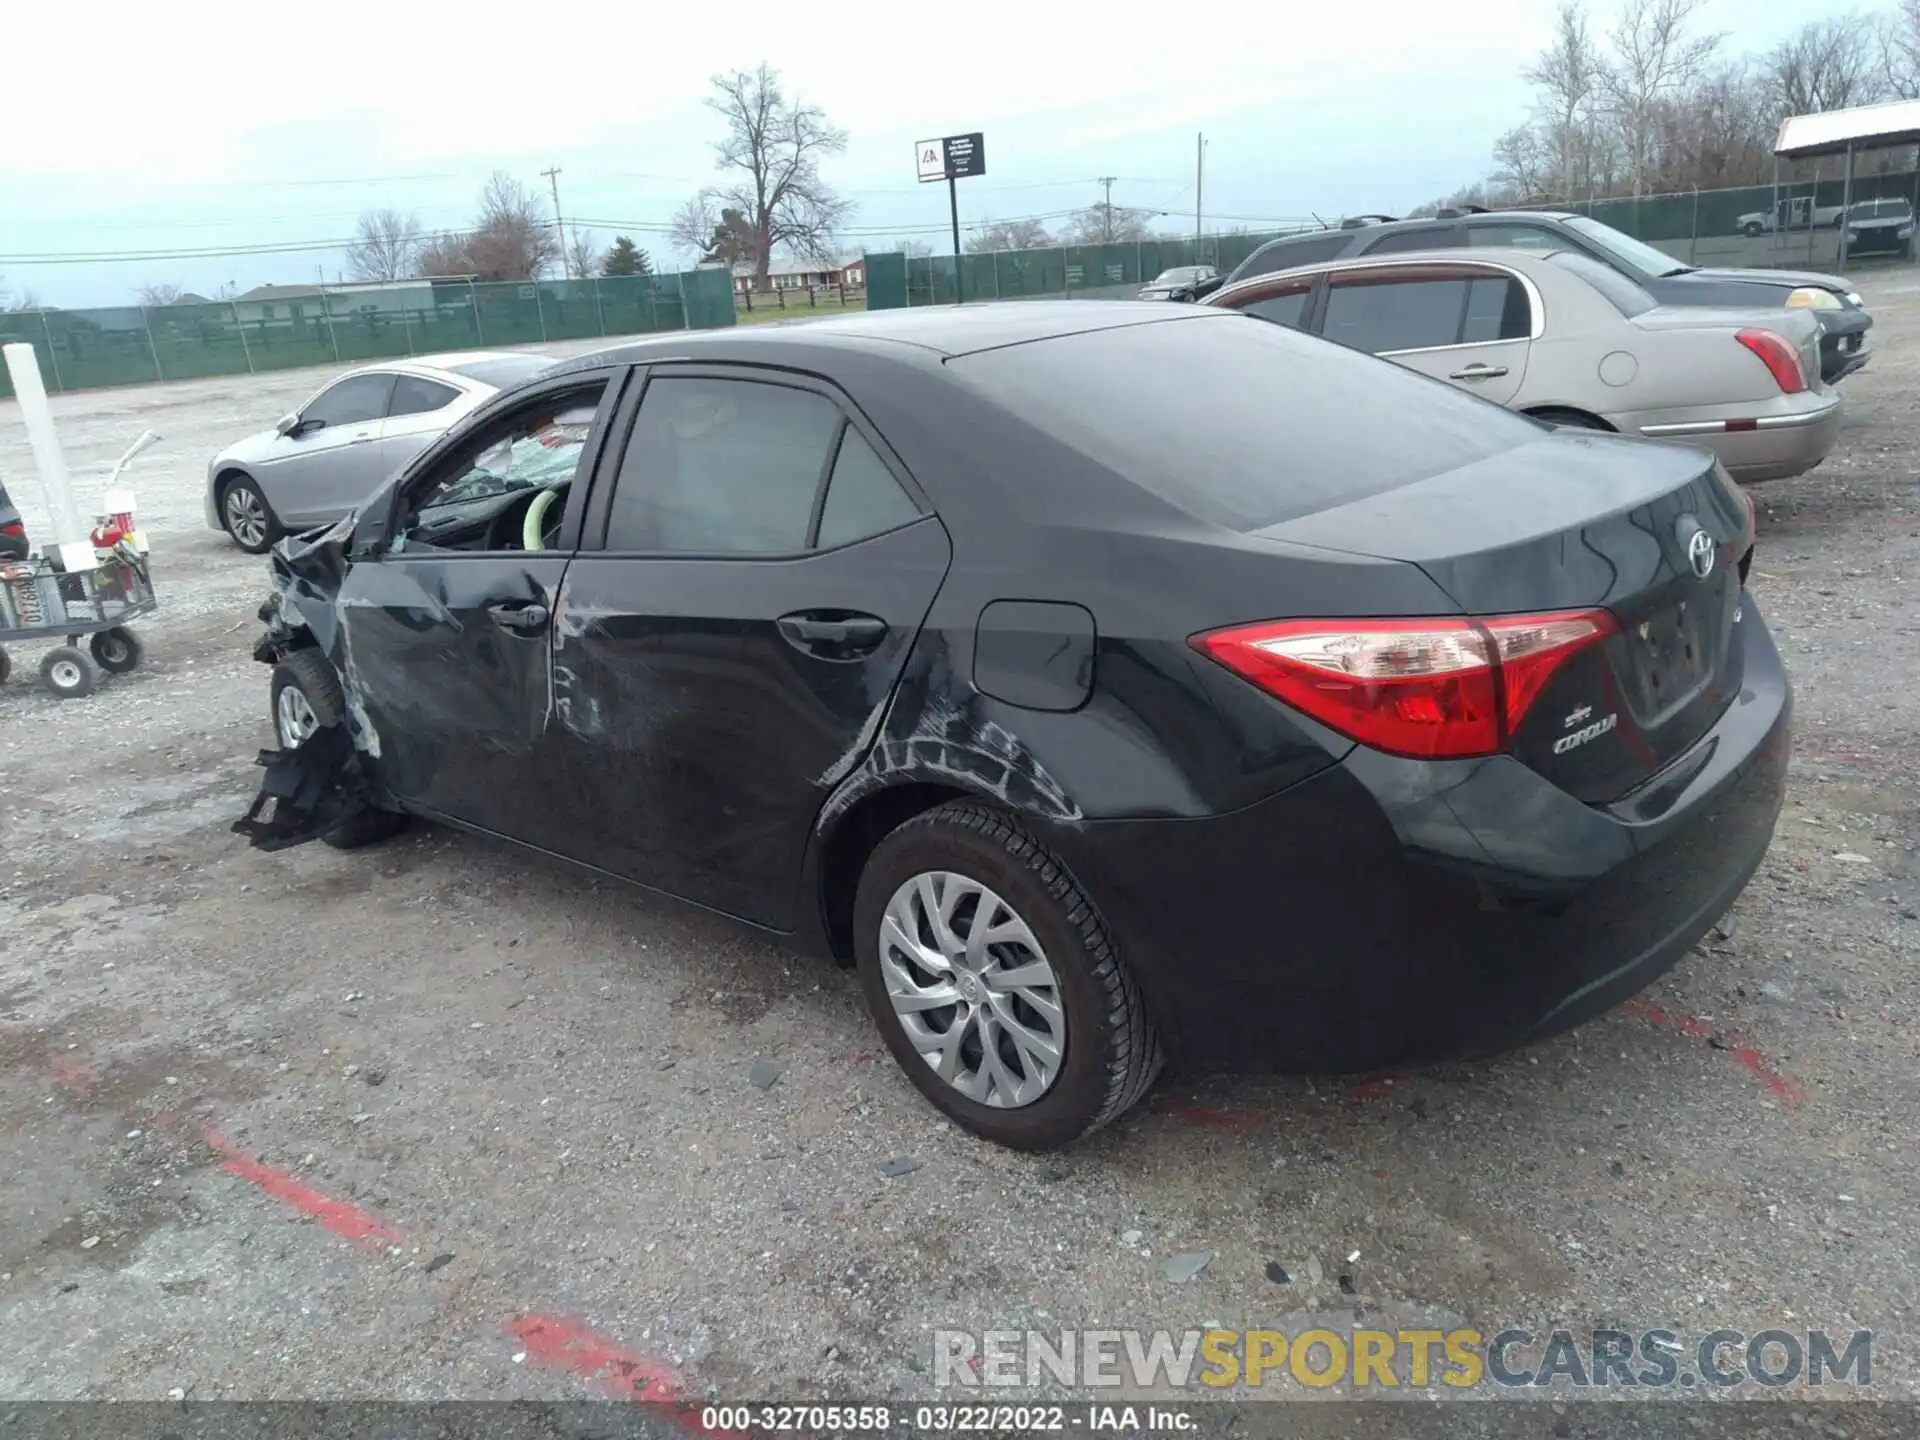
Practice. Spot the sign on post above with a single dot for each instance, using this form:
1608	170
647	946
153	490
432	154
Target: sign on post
951	158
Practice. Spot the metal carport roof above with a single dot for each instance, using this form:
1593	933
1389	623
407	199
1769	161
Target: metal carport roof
1862	127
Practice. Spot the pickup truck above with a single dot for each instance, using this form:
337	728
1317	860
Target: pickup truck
1798	213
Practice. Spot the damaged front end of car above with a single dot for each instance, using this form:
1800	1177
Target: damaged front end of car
320	784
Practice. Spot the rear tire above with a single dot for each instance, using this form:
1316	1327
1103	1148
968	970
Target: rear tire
304	696
1108	1054
247	517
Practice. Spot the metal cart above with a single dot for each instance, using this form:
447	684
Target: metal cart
38	601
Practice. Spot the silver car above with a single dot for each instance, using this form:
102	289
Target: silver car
1568	340
324	458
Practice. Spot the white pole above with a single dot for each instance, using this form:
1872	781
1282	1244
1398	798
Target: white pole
72	539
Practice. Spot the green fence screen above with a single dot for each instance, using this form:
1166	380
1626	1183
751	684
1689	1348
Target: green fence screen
314	325
1797	226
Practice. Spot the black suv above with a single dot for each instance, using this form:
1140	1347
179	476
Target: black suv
1844	321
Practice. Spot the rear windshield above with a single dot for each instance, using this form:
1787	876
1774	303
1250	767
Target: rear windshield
1628	298
503	371
1239	422
1881	210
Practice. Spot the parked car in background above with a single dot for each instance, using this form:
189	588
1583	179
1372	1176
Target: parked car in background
324	458
966	644
1880	227
1795	213
13	532
1844	320
1565	339
1183	282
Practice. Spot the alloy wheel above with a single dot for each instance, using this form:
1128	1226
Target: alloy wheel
973	989
246	516
293	717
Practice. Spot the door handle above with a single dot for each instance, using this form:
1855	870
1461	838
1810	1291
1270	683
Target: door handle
832	634
523	619
361	439
1479	372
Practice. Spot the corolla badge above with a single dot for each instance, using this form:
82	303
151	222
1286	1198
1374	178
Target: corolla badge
1698	545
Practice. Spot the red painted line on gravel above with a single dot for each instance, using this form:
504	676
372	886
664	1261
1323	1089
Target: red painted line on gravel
1756	1064
347	1221
556	1343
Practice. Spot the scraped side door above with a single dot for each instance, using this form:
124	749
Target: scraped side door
754	570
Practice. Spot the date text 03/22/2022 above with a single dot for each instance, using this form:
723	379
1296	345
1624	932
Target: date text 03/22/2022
963	1419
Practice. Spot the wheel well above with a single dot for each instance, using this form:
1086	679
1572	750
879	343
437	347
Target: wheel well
852	840
1569	414
225	478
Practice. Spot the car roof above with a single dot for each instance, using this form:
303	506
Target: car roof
1388	227
439	367
936	331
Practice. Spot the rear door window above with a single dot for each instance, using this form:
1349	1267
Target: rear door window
1401	314
721	466
1497	309
1287	309
415	396
1403	242
1514	237
1240	425
863	498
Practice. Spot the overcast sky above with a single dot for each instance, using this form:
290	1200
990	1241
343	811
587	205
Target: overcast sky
222	125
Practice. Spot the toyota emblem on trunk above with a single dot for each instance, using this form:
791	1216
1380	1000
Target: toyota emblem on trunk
1700	547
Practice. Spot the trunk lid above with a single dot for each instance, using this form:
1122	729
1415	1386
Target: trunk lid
1799	328
1579	522
1791	279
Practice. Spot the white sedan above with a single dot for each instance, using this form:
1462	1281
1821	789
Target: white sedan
323	459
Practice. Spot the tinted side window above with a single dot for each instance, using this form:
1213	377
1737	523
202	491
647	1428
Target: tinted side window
1395	315
721	467
1287	254
414	396
354	401
1514	237
1497	309
863	498
1281	309
1406	241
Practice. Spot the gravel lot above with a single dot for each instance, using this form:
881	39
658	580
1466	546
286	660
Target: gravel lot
437	1119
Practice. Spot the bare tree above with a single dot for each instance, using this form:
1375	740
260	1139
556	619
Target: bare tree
917	249
772	150
25	302
1824	65
1568	75
447	254
1900	51
583	255
1523	161
1009	235
1653	57
514	239
154	296
1109	224
384	245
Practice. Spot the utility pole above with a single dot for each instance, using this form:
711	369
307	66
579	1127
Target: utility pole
553	178
1107	180
1199	175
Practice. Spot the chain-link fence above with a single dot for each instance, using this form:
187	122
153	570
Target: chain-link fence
283	327
1801	226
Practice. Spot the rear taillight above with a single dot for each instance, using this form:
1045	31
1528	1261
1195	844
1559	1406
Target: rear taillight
1780	358
1429	689
13	527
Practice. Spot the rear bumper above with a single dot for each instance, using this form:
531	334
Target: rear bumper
1389	912
1843	342
1783	443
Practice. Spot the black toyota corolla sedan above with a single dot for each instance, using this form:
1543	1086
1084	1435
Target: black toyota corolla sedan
1104	681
